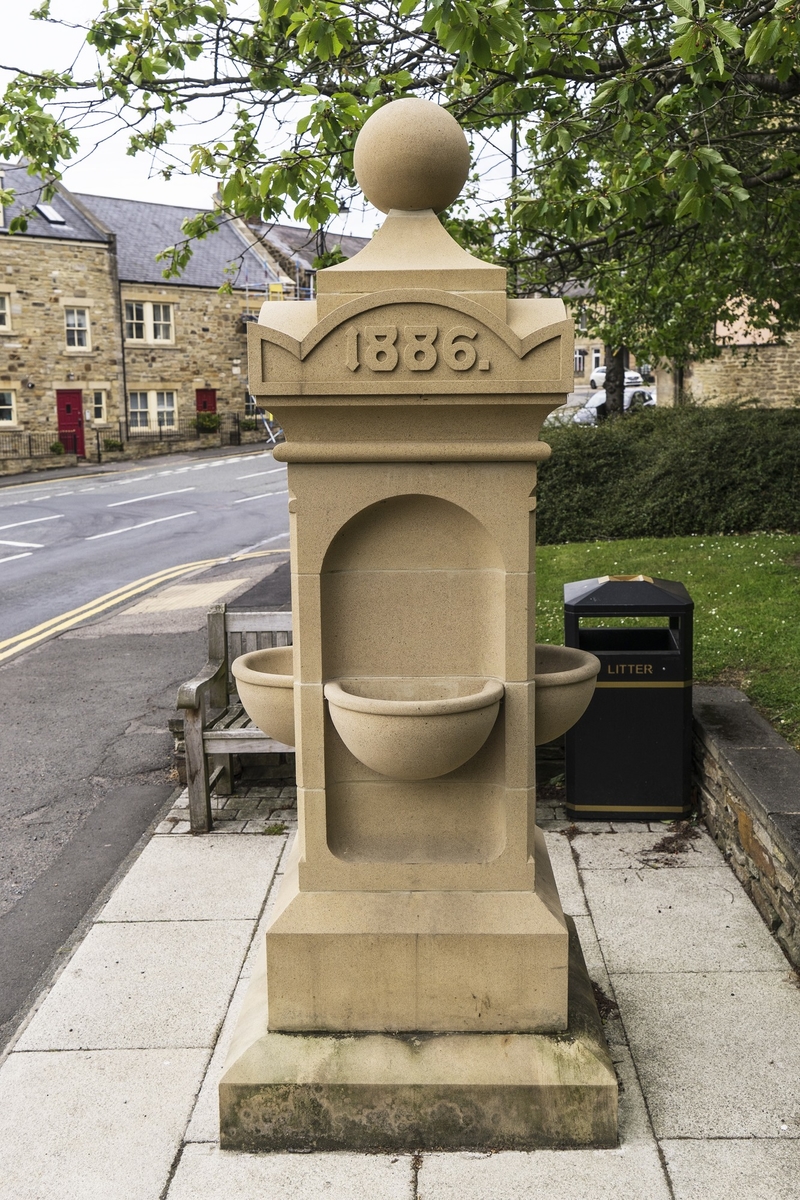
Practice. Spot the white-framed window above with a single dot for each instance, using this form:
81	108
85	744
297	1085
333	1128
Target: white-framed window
8	408
165	408
5	312
249	405
161	404
162	322
77	327
134	321
596	357
147	321
99	406
579	362
139	410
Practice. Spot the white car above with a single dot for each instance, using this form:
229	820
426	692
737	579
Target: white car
593	411
632	378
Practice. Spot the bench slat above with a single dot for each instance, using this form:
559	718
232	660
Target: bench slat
224	720
243	741
257	622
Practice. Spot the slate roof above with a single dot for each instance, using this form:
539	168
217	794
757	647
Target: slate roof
77	226
143	229
298	242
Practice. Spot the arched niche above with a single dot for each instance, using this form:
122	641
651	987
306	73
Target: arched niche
413	586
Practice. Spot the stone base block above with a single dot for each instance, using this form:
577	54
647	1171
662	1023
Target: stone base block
389	962
487	1091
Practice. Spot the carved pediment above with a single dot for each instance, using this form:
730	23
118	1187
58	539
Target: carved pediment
420	342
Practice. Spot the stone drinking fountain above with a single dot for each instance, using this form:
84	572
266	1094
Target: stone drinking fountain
420	986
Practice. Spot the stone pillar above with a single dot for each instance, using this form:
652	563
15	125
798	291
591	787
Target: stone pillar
418	916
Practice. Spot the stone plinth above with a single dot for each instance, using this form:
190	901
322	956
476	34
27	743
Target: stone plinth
498	1091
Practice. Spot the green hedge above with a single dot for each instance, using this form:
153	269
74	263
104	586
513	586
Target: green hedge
672	472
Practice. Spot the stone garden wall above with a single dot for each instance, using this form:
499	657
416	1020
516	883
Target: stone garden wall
748	789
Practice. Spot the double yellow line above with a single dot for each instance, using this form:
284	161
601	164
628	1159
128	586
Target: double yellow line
30	637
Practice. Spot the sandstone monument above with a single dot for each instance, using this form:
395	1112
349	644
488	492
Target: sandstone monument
419	984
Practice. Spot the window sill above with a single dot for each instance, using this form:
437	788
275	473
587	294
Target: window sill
142	345
78	350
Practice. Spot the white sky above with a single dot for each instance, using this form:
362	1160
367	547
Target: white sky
106	169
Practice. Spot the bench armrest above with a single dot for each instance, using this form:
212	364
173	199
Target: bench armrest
190	695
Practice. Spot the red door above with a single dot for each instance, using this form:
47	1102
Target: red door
206	400
69	406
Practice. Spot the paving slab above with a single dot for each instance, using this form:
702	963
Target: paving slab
566	873
208	1173
634	1122
652	919
204	1125
727	1170
196	879
102	1125
143	985
629	849
592	954
629	1173
717	1054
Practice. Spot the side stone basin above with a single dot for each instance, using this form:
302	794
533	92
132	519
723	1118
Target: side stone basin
565	679
413	728
265	682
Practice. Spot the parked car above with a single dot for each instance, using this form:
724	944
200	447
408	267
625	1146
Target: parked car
594	410
632	378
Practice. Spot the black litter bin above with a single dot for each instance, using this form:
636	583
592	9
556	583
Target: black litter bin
629	756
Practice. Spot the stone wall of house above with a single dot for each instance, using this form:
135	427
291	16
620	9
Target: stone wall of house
40	279
208	350
770	374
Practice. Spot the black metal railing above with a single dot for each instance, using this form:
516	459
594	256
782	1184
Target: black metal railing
32	445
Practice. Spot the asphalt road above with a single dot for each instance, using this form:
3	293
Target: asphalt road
85	755
65	542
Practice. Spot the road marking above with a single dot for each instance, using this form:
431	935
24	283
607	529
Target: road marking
33	521
255	474
155	496
127	529
262	496
32	545
277	538
56	496
92	608
11	558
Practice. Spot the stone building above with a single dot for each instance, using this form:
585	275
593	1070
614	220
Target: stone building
95	344
60	342
750	369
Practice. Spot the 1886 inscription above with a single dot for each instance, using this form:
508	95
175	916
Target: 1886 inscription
417	347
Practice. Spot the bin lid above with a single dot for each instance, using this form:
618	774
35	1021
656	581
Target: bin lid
612	595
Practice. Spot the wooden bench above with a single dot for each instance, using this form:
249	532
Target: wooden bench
215	726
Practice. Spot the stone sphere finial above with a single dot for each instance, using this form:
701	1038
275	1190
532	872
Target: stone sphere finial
411	154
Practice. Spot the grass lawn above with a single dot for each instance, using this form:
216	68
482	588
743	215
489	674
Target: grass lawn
746	593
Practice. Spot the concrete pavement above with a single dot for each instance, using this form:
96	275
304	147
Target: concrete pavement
110	1088
86	761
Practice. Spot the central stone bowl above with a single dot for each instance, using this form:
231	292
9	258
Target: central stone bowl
413	728
265	683
565	678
